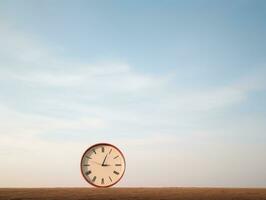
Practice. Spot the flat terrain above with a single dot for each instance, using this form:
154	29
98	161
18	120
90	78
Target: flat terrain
132	193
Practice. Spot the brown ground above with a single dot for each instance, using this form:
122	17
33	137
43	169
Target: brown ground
132	193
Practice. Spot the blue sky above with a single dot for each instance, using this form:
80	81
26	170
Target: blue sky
179	86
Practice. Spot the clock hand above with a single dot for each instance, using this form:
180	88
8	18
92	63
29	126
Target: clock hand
104	160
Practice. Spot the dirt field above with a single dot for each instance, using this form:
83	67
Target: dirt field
132	193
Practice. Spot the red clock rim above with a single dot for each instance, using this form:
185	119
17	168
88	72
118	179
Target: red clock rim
107	144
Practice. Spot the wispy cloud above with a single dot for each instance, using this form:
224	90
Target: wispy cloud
105	94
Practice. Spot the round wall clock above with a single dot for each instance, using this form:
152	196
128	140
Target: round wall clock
102	165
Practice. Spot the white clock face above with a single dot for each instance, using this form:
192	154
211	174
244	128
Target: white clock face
102	165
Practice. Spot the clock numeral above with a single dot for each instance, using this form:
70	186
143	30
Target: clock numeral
88	173
110	151
88	157
86	165
110	179
115	172
94	151
116	157
102	149
102	181
94	178
118	165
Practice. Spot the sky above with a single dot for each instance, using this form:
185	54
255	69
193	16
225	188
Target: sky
178	86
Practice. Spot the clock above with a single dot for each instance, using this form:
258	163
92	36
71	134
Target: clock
102	165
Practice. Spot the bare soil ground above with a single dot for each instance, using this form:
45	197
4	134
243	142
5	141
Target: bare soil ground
132	193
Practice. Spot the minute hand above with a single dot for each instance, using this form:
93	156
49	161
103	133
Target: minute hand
104	160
